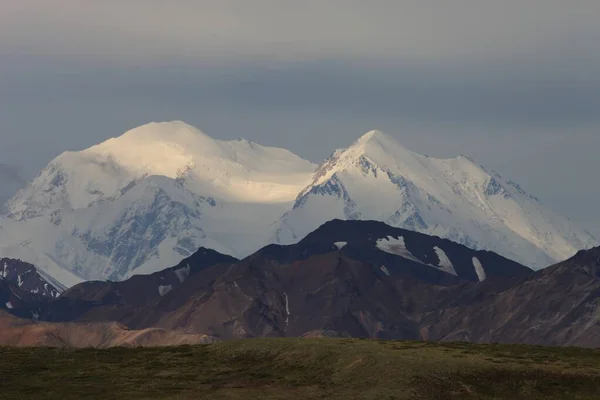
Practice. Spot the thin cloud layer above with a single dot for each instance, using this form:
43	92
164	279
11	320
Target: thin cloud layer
514	84
133	31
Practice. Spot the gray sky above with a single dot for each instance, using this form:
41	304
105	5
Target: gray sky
514	84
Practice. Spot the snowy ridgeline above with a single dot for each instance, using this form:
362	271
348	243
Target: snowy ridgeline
397	247
108	212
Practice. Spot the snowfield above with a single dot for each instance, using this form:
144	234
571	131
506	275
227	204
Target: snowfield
143	201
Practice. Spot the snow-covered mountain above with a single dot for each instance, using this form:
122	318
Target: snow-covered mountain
235	171
145	200
378	179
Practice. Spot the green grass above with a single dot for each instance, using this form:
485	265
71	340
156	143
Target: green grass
303	369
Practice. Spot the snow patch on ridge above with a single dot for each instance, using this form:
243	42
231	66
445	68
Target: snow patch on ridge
163	290
445	264
340	245
479	269
183	273
397	247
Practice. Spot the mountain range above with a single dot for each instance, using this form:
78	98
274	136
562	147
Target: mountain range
152	196
345	279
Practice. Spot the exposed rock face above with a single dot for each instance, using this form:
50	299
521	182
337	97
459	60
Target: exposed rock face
20	303
134	293
253	298
557	306
28	278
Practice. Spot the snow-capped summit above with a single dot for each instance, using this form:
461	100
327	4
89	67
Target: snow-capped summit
142	201
374	148
377	178
375	137
238	171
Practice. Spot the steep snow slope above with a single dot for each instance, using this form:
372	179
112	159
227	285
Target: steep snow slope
145	200
376	178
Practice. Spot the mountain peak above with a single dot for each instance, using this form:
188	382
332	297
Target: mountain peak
166	127
379	148
376	178
159	133
376	138
372	135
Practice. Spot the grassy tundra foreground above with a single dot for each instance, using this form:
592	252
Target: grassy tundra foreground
302	369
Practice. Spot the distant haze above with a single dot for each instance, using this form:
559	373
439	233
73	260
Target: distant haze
514	84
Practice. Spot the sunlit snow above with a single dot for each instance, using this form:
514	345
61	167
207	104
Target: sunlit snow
223	195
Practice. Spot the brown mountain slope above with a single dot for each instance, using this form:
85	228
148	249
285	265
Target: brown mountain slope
256	298
323	288
325	292
332	294
556	306
19	332
176	297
